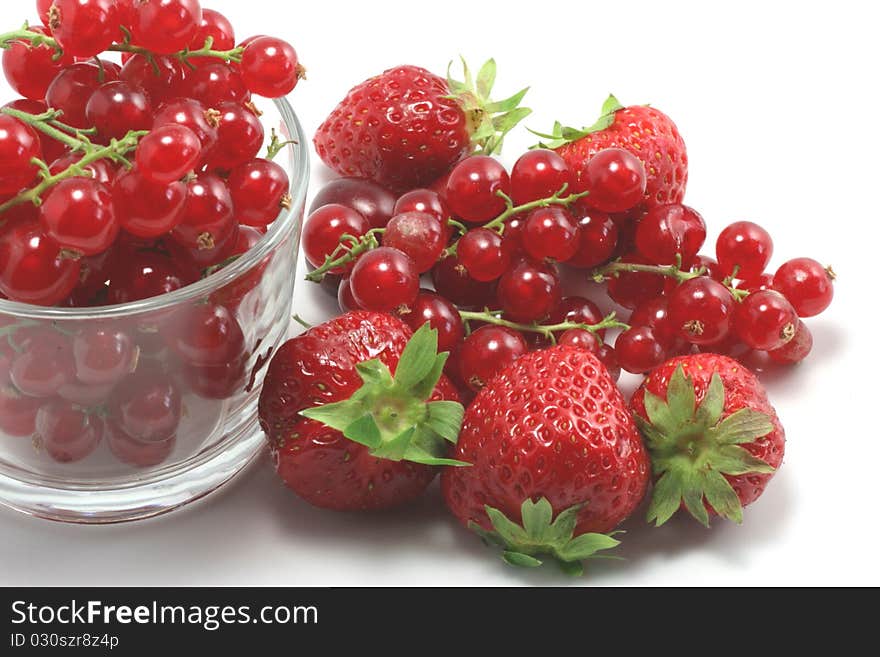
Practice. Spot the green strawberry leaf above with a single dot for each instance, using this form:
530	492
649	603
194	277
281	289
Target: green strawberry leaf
520	559
666	499
486	78
418	357
365	431
722	497
562	135
744	426
445	418
339	415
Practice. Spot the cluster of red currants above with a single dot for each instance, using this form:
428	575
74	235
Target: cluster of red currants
494	242
123	182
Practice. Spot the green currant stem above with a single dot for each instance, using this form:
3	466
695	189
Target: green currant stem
276	145
547	330
115	151
497	223
350	247
670	271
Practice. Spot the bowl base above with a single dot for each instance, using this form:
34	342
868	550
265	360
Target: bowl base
137	501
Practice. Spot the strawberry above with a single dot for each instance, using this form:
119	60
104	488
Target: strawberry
344	433
644	131
551	435
407	127
714	438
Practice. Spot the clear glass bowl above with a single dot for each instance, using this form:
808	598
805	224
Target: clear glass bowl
170	428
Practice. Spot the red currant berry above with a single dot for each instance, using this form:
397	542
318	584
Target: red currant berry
577	310
538	174
18	412
270	67
616	180
239	137
232	294
67	433
709	266
419	235
452	281
208	224
744	247
582	339
117	107
654	313
597	236
217	27
550	233
136	453
103	356
608	357
441	314
631	288
147	209
472	190
702	310
73	87
84	28
19	144
146	274
765	320
384	279
345	298
796	349
43	7
374	202
51	149
147	406
30	69
31	267
762	282
513	233
638	350
486	352
216	381
166	26
206	334
529	292
806	284
670	231
484	254
159	77
78	215
193	115
260	190
168	153
44	363
212	83
85	395
423	200
323	231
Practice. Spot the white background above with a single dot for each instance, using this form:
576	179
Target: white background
778	105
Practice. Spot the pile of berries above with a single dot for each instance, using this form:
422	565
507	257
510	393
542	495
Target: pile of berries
123	181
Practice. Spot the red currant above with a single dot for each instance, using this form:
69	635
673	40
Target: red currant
206	335
168	153
43	7
146	274
629	289
597	236
270	67
486	352
616	180
84	28
103	355
193	115
217	381
117	107
608	357
19	144
577	310
702	310
513	233
18	412
344	297
51	149
765	320
423	200
744	247
373	201
550	233
68	433
239	137
147	406
166	26
529	292
214	82
31	267
762	282
538	174
796	349
638	350
582	339
484	254
136	453
806	284
384	279
654	313
323	231
44	363
668	231
452	281
441	314
217	27
73	87
78	215
472	190
159	77
419	235
147	209
208	223
30	69
260	190
85	395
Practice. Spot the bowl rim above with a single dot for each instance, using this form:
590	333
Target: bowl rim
298	156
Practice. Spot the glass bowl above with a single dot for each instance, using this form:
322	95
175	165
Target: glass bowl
123	417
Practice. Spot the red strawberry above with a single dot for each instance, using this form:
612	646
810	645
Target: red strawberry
645	132
550	435
714	438
407	127
344	434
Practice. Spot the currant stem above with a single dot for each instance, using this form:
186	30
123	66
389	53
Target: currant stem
276	145
497	223
349	249
670	271
547	330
